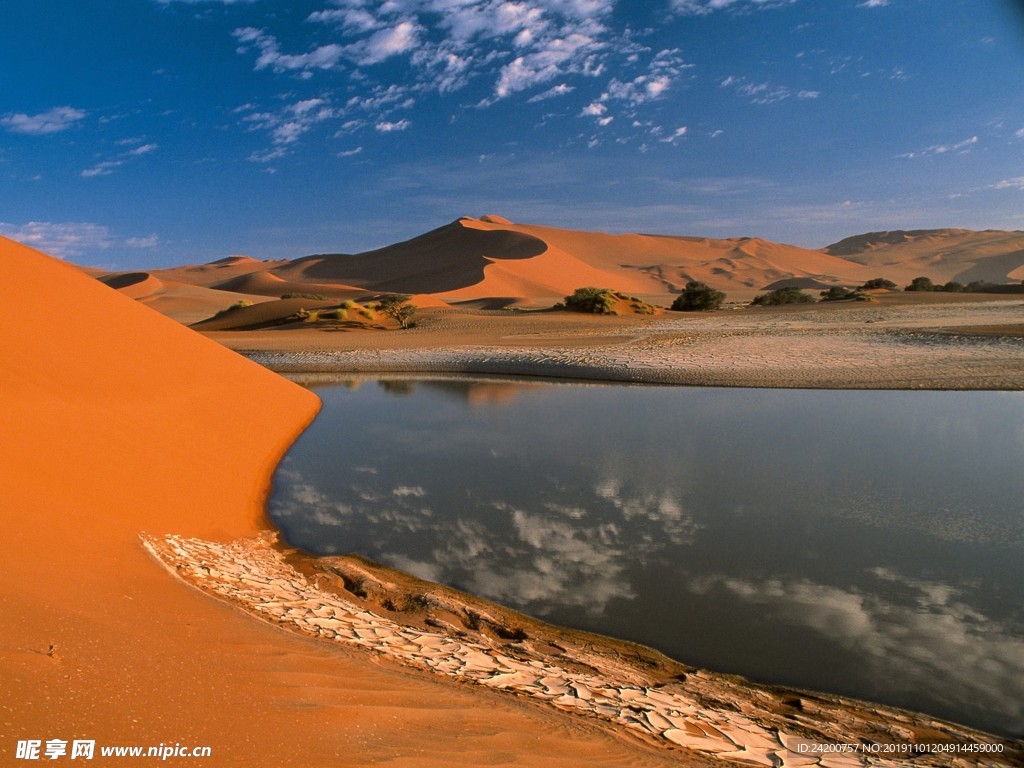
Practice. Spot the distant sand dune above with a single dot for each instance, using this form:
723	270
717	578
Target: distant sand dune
500	263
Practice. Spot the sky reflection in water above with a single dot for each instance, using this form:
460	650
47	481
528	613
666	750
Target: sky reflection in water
867	543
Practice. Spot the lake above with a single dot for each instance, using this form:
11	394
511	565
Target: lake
867	543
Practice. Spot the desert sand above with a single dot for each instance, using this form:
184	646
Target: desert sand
490	262
897	341
119	421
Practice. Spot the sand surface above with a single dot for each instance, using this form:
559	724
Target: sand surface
898	341
116	421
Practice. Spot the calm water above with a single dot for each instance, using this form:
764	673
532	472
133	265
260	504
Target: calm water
864	543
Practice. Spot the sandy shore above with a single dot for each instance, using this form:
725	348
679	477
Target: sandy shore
885	345
119	421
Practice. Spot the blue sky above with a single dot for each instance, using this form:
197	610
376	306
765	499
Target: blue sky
145	133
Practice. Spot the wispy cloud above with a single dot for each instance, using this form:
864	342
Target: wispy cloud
108	166
1016	182
104	168
765	92
389	127
873	4
942	149
52	121
70	239
704	7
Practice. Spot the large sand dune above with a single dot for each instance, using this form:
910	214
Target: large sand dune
492	262
117	420
962	255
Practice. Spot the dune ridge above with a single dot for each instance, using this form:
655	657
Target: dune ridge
500	263
117	421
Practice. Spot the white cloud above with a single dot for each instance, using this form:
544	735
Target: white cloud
942	149
942	635
52	121
1015	183
198	2
63	239
385	43
594	109
322	57
559	90
704	7
388	127
150	241
677	134
288	125
873	4
104	168
350	152
145	149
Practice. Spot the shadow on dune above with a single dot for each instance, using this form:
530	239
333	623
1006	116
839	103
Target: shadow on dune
445	259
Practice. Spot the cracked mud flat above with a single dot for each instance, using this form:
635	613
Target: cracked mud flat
660	701
931	347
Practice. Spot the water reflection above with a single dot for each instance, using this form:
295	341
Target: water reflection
879	555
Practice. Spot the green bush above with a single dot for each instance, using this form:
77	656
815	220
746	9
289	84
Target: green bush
240	304
334	314
698	297
788	295
347	304
313	296
838	293
596	301
920	284
953	287
878	282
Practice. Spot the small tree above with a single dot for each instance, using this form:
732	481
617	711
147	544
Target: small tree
837	293
698	297
597	301
788	295
953	287
920	284
878	282
397	307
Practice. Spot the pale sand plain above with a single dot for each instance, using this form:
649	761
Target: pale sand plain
124	424
895	341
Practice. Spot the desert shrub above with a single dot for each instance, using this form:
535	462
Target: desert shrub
596	301
877	283
334	314
347	304
788	295
953	287
240	304
920	284
312	296
838	293
397	307
698	297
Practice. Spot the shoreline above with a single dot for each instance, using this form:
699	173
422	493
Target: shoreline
663	703
944	346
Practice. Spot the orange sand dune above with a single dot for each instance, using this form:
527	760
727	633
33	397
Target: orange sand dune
500	263
135	285
962	255
270	284
117	420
